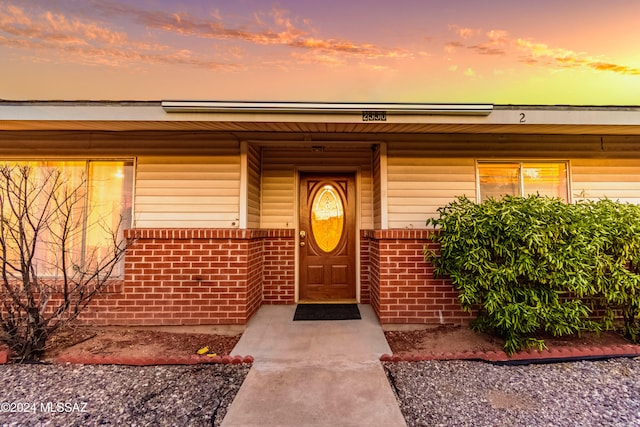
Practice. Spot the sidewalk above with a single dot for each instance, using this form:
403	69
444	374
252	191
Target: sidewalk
313	373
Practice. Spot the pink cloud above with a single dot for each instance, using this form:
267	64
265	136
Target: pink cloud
274	28
88	42
535	52
499	42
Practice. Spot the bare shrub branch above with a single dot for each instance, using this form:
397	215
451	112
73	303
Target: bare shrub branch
49	273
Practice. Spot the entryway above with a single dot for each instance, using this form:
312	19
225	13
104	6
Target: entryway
320	373
327	237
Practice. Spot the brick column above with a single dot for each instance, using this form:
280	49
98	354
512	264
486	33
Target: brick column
403	289
365	270
279	267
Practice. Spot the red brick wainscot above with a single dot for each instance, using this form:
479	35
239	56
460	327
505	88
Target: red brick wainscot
402	286
198	277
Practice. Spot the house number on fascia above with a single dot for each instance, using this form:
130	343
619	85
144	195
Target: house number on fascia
374	116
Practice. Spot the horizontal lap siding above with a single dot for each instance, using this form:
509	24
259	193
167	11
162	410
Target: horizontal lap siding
418	185
278	188
188	191
616	179
420	179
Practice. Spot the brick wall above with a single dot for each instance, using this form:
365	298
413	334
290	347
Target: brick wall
222	276
278	279
369	241
365	271
254	276
196	276
403	289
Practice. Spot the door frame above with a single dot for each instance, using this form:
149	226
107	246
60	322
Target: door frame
356	170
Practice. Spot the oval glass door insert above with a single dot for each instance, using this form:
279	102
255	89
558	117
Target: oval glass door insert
327	218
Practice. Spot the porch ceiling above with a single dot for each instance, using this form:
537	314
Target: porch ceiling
148	116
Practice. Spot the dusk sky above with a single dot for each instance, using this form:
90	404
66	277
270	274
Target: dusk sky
492	51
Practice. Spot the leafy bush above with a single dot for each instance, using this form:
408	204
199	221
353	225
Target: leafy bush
536	264
615	230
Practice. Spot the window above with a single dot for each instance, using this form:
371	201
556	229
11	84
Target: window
104	201
498	179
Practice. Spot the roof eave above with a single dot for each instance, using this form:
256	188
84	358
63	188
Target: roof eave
325	108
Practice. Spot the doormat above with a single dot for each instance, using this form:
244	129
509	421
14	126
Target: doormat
327	312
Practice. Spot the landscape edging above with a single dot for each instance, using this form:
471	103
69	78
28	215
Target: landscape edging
153	360
561	354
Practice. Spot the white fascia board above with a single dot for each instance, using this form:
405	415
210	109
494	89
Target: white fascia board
526	116
566	116
81	112
324	108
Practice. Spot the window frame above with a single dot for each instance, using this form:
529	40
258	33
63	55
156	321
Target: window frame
521	163
87	161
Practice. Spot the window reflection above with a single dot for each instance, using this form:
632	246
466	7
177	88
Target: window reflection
522	179
102	207
327	218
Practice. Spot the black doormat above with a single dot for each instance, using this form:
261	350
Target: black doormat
327	312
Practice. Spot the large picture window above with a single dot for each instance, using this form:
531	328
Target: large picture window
518	178
103	190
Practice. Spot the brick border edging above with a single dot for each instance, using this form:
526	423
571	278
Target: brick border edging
527	356
153	360
142	360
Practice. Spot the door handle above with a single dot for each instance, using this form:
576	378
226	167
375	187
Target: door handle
301	244
303	234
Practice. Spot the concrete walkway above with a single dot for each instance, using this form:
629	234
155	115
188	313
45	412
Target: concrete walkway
313	373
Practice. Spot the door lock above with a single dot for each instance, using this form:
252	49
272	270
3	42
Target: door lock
303	234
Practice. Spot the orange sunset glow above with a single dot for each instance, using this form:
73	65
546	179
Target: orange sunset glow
581	52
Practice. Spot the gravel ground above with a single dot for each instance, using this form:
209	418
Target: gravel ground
462	393
83	395
431	393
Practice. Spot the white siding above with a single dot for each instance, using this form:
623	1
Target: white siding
188	191
420	180
419	185
279	181
616	179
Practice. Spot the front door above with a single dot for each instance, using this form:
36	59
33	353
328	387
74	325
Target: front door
327	237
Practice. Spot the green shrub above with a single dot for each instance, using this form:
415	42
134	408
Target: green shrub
616	231
533	265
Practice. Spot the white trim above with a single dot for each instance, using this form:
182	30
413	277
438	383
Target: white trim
324	107
133	192
231	116
384	204
244	184
477	183
569	182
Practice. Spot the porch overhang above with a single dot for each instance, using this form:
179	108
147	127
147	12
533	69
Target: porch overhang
326	108
318	118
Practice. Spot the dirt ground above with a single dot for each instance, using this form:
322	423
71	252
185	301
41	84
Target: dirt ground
138	342
443	339
145	342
